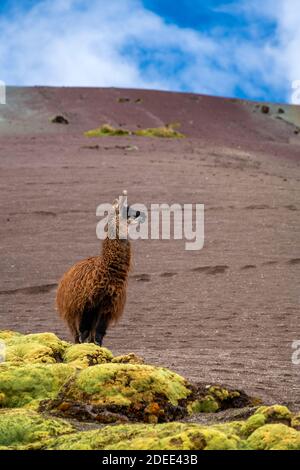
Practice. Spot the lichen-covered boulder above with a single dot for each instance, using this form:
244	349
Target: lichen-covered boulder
139	392
167	436
87	354
274	437
27	385
27	429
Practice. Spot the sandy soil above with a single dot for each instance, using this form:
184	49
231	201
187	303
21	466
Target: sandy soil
228	313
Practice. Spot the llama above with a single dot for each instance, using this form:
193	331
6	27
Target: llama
92	294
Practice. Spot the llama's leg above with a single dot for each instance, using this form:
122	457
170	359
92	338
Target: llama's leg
100	331
86	324
76	338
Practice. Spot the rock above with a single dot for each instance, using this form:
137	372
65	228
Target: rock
265	109
280	111
59	119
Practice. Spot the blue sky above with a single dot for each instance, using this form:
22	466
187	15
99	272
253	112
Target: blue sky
239	48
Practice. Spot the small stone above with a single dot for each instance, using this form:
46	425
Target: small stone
265	109
59	119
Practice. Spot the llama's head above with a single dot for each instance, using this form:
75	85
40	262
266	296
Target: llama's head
121	217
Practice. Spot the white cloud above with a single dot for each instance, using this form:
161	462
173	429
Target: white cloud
121	44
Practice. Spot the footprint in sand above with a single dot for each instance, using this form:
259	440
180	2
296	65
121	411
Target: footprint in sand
142	277
219	269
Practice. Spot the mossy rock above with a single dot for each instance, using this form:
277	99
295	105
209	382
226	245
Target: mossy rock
28	384
167	436
274	437
139	392
87	354
275	414
213	398
34	348
27	429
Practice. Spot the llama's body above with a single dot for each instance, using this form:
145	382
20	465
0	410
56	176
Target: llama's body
92	294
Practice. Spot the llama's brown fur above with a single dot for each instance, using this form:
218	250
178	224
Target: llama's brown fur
92	294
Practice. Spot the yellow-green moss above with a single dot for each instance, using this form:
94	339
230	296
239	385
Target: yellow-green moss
34	348
106	130
129	358
274	437
296	421
7	335
120	391
168	131
207	404
212	398
87	354
275	413
126	383
28	384
180	436
253	423
21	428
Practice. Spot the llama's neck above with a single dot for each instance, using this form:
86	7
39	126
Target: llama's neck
116	255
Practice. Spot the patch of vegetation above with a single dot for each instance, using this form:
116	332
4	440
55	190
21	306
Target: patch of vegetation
107	130
86	383
27	429
168	131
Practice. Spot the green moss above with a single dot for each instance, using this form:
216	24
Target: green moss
295	423
119	382
253	423
213	398
34	348
21	428
167	436
168	131
207	404
141	392
275	414
274	437
105	131
7	335
27	385
87	354
129	358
